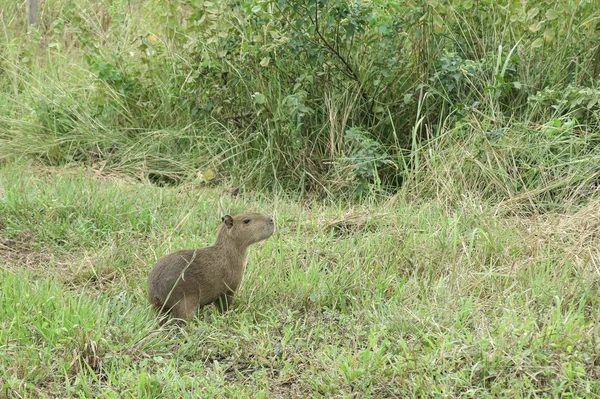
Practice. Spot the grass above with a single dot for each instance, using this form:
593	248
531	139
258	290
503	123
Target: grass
263	95
432	170
418	300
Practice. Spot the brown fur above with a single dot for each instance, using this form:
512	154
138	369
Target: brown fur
183	281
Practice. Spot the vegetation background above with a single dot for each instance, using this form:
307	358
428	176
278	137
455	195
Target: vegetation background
433	167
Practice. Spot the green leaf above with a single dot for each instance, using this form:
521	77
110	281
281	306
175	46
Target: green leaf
259	98
551	14
265	61
537	43
206	176
383	29
467	4
418	34
533	13
536	26
438	24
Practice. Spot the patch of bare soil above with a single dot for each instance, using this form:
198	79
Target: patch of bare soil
21	252
74	269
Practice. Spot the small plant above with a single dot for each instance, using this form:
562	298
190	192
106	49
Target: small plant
455	74
366	158
582	103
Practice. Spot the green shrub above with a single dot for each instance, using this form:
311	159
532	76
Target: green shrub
264	92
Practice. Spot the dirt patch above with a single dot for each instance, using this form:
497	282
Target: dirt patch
18	250
74	269
23	253
288	389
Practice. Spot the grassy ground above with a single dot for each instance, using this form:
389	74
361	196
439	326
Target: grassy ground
404	298
432	167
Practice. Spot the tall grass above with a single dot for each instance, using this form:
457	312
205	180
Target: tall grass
338	100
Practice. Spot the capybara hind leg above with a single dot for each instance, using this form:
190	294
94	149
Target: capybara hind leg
185	308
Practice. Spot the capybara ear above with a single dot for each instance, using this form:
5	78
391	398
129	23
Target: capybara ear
228	220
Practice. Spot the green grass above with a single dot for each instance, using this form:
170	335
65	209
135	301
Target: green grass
125	125
411	299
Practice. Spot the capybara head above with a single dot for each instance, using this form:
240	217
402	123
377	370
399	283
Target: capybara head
247	228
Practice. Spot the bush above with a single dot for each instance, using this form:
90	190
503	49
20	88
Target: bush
334	96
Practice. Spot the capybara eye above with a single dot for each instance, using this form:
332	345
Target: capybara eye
246	221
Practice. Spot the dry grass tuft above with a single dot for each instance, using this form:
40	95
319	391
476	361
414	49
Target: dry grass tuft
575	234
353	222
